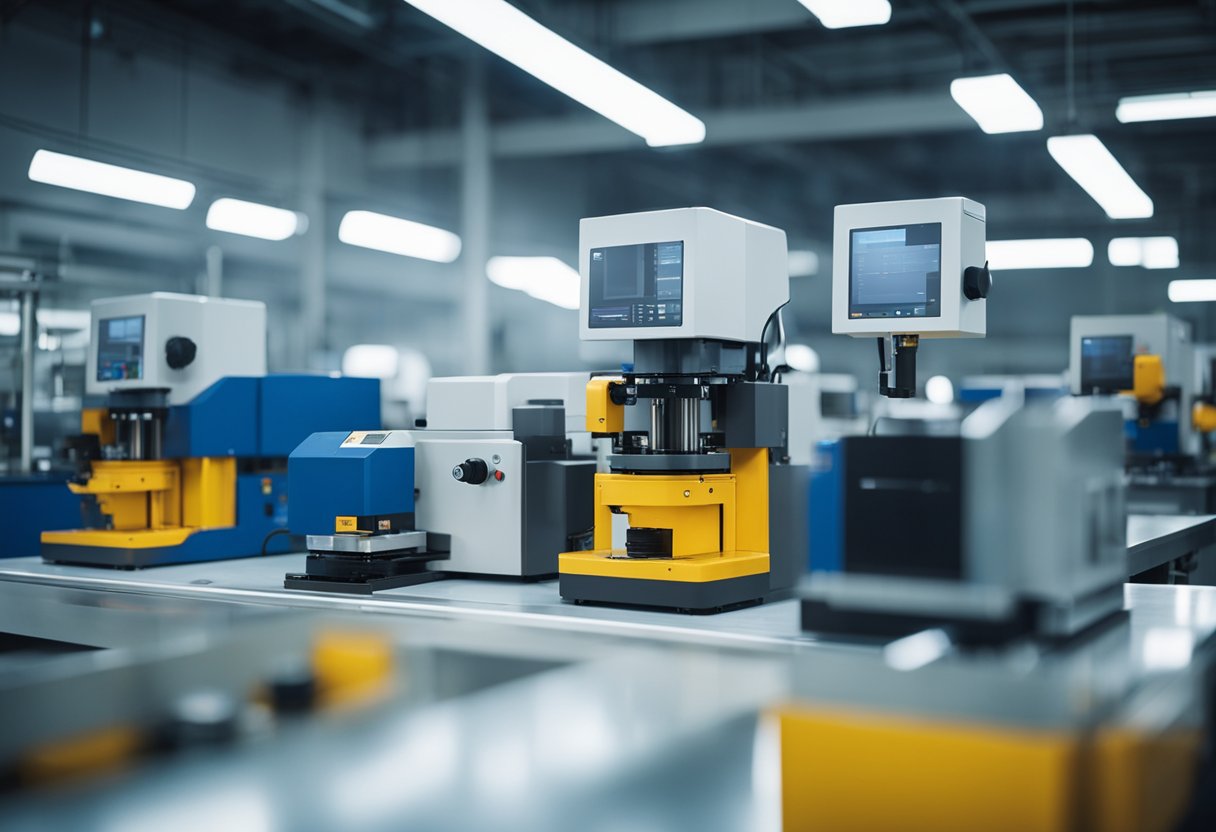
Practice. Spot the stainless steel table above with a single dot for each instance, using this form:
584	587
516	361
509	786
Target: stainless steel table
1155	540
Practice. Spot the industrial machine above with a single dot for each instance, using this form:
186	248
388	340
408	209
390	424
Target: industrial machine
903	271
1147	364
1008	523
489	487
682	517
187	460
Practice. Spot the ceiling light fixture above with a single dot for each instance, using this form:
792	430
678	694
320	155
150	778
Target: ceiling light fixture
513	36
1092	166
398	236
252	219
843	14
80	174
1148	252
1192	291
1063	253
1168	107
997	103
543	278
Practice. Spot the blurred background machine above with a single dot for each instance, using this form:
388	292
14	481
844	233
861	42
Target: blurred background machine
489	487
186	462
684	516
1148	362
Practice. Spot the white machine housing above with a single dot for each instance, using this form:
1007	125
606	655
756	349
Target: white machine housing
486	402
735	272
471	417
230	337
1157	334
963	244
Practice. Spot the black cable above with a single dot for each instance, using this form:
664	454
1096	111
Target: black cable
273	533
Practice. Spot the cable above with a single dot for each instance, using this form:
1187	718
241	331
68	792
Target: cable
271	534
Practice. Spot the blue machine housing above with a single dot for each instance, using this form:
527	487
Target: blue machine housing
825	510
327	480
1153	439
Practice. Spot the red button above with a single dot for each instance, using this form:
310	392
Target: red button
499	475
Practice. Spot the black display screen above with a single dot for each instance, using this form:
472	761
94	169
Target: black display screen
1108	364
120	348
636	286
896	272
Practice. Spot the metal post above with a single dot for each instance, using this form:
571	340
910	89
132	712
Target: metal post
476	195
312	329
29	302
213	284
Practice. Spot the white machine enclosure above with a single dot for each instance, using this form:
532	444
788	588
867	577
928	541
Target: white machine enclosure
963	244
230	337
485	402
748	259
472	417
1157	334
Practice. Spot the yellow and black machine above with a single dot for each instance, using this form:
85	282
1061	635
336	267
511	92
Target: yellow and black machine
682	517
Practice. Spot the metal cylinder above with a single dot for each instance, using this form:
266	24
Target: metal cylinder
675	425
28	325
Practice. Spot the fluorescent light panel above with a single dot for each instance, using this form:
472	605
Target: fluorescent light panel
997	103
1176	105
1063	253
543	278
513	36
1192	291
803	263
1148	252
398	236
252	219
1092	166
371	361
843	14
80	174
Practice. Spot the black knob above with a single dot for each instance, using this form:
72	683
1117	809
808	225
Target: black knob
180	352
472	471
977	282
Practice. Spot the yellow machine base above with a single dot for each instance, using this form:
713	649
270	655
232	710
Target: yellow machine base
116	539
701	583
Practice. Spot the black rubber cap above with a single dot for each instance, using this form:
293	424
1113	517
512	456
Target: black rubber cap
471	471
180	352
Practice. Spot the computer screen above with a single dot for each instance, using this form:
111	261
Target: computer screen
636	285
895	272
120	349
1108	364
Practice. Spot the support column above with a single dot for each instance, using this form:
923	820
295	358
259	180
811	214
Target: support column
213	277
312	335
476	195
29	326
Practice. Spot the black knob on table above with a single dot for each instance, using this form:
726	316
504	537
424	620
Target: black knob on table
180	352
471	471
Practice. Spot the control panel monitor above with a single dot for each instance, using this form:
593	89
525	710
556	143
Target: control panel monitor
120	348
640	285
1108	364
896	272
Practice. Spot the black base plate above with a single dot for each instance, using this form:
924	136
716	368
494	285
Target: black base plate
682	596
364	587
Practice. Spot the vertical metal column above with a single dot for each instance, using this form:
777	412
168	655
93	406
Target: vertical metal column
29	319
475	195
213	282
313	338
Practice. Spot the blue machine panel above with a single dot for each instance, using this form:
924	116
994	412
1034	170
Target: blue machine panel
1155	438
295	406
826	510
31	505
220	421
326	480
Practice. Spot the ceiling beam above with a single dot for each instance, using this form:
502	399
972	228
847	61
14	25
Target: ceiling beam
865	117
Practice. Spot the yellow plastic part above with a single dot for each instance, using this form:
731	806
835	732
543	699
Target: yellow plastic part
749	467
1142	782
97	420
699	569
351	666
116	539
603	416
1149	384
345	524
209	492
101	750
1203	416
699	509
846	771
135	494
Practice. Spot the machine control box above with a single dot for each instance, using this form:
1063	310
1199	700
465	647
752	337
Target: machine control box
911	267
